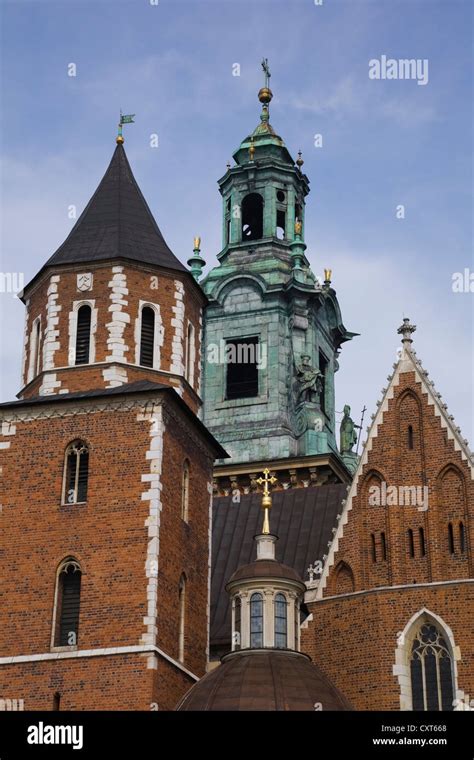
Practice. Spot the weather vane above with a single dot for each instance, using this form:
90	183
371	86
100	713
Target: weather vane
266	69
125	118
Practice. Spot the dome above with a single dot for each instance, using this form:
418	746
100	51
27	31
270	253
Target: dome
265	568
269	680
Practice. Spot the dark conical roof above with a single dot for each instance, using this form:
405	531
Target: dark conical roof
116	223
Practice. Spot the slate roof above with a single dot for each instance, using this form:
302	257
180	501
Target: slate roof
116	223
302	518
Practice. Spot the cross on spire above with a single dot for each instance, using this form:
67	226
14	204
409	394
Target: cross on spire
266	69
266	498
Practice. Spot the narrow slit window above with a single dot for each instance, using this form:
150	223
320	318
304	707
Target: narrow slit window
256	621
384	545
237	622
451	538
147	337
83	334
422	542
76	473
411	543
373	547
410	436
462	538
68	603
281	622
185	492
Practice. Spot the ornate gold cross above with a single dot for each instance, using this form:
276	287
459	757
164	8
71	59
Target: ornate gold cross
266	498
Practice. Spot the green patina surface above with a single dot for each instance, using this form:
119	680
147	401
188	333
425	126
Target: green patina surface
265	288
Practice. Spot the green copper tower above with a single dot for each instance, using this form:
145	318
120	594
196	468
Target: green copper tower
272	330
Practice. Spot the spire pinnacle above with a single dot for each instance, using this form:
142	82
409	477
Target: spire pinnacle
405	330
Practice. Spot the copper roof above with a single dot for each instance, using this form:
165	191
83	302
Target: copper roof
302	518
270	680
265	568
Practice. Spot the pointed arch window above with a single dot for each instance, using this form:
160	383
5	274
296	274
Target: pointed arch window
76	473
281	622
431	670
256	621
451	538
83	334
185	491
411	543
182	616
462	538
68	597
147	336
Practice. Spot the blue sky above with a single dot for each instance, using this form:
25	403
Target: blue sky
385	143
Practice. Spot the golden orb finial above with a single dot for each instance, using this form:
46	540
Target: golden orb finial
265	95
299	161
119	140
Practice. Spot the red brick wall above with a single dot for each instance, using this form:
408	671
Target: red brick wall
115	682
354	637
433	462
107	535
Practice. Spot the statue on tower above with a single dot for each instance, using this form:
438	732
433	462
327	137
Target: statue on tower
348	432
310	381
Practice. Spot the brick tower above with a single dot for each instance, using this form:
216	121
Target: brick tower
106	471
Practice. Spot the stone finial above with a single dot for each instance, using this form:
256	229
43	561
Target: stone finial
405	330
196	262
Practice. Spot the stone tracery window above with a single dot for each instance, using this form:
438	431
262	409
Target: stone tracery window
431	670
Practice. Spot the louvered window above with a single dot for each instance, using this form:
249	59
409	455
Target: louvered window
147	337
83	334
69	594
76	473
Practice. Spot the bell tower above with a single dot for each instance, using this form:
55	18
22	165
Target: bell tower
273	330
